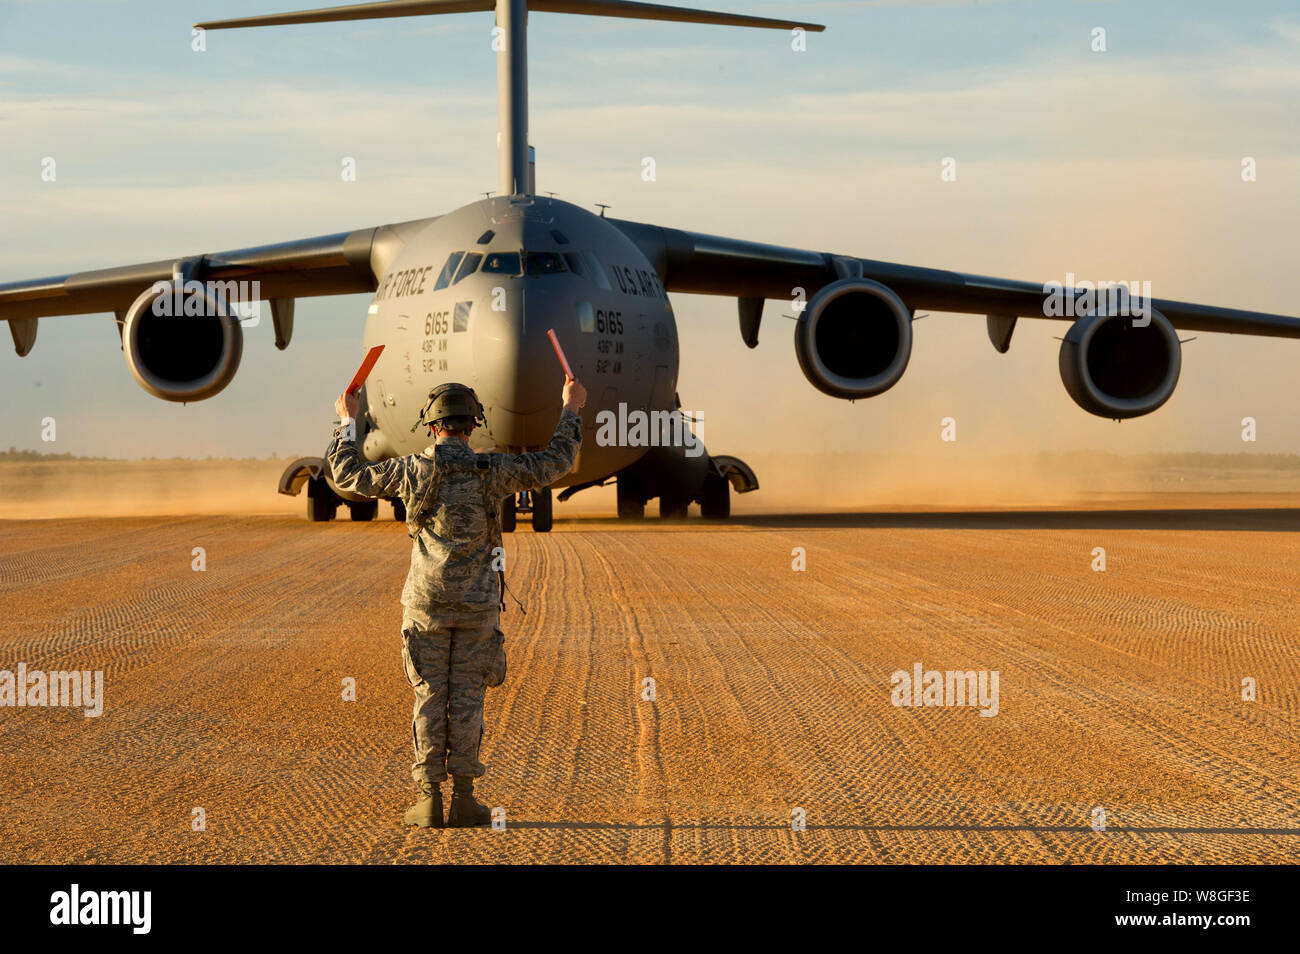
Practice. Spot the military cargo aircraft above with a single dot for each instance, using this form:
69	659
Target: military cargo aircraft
470	296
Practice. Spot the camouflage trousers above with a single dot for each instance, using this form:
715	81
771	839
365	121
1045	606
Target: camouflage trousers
450	665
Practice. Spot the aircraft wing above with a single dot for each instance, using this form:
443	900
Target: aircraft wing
337	264
712	265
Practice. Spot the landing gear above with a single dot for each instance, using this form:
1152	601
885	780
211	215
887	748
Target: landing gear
537	503
679	481
673	508
321	502
631	505
364	511
543	511
715	497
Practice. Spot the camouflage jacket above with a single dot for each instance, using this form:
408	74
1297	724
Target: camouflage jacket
452	498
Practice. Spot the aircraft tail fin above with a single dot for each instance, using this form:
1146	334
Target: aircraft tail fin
601	8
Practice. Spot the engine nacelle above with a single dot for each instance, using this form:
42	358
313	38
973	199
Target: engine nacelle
185	349
1115	369
854	338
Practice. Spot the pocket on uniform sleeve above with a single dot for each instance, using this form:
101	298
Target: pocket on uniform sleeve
495	672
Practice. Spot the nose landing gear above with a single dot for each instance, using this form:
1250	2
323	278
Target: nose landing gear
535	502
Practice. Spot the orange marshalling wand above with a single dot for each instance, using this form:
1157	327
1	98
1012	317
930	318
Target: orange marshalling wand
559	353
363	372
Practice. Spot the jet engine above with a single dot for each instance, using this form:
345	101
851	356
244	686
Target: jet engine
182	343
854	338
1114	367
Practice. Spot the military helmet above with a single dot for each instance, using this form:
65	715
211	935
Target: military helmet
450	400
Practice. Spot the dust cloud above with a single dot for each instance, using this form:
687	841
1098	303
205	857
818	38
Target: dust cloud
838	482
116	488
948	478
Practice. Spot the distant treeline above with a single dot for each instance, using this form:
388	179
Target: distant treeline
1091	460
13	454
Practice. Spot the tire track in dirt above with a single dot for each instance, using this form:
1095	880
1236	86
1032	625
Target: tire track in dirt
1127	695
1116	702
641	716
874	684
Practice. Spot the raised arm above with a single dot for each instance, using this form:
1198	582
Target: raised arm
388	478
516	472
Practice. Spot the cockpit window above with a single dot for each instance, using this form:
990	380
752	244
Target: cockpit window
448	270
596	271
468	266
574	260
543	263
502	263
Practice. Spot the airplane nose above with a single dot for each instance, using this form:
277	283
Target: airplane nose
518	379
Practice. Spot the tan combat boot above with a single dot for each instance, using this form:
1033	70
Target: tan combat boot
465	811
427	810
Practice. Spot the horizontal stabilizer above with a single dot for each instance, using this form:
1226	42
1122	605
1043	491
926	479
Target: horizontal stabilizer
660	11
356	11
598	8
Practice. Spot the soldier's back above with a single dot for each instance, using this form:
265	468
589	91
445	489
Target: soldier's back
454	531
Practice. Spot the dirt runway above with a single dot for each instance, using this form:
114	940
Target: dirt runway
1119	691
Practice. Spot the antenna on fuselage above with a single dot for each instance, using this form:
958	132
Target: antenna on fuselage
510	40
602	206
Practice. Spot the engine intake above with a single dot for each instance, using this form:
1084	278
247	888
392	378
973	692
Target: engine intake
1113	368
185	353
854	339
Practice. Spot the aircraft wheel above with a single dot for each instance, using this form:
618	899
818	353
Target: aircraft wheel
715	500
320	501
631	505
508	514
543	510
673	508
399	511
362	512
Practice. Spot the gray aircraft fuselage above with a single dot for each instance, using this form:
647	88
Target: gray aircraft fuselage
470	299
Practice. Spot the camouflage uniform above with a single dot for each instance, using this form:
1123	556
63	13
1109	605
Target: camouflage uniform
452	644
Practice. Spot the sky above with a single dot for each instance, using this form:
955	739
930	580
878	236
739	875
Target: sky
1115	165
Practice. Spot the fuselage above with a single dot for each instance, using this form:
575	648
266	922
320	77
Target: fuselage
470	298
